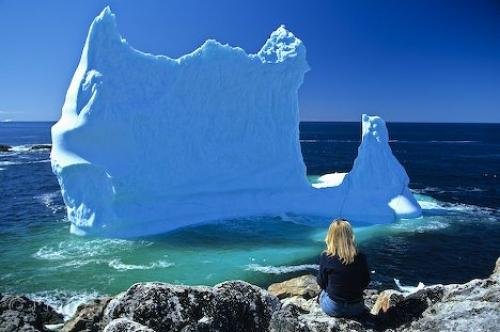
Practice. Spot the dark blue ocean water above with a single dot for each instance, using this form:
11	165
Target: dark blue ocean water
454	171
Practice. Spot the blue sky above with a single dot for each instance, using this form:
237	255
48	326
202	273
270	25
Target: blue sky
412	61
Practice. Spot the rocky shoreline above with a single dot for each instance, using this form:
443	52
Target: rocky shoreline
234	306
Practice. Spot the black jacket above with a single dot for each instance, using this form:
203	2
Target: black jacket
343	282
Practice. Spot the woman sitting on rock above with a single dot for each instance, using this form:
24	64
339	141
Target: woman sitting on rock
343	273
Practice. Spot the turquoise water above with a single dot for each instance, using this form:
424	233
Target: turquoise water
45	257
456	239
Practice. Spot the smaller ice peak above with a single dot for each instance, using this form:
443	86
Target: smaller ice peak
377	177
282	45
375	165
374	127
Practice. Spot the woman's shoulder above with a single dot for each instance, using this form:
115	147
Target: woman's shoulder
328	257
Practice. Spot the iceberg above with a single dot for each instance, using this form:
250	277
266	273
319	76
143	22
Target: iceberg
147	143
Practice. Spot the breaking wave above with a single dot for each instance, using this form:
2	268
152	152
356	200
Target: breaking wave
86	249
10	163
117	264
31	148
50	200
269	269
64	302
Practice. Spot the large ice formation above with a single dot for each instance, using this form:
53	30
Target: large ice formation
147	144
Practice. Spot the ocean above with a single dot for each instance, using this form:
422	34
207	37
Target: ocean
454	173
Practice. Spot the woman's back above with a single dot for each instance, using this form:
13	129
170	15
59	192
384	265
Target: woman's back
343	273
344	282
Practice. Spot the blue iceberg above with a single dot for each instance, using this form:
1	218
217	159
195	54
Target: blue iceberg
147	143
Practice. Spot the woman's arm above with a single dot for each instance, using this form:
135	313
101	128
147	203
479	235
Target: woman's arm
366	273
322	277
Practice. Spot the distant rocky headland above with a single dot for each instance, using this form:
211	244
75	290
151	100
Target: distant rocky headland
31	147
234	306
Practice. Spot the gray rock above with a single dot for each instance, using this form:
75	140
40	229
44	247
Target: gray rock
37	147
286	319
19	313
496	271
126	325
370	296
304	305
410	307
474	306
304	286
239	306
5	148
297	317
319	322
88	316
385	300
229	306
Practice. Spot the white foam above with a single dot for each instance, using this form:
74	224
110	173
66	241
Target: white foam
420	226
432	204
64	302
49	199
408	289
21	148
8	163
39	161
77	263
85	249
48	253
117	264
281	269
29	148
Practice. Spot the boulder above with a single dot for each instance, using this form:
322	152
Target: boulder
370	296
473	306
295	317
319	322
229	306
286	319
385	300
5	148
496	271
126	325
239	306
88	316
304	286
410	307
36	147
19	313
304	305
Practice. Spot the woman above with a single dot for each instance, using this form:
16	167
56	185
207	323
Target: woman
343	273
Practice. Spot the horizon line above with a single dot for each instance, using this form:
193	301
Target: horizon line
301	121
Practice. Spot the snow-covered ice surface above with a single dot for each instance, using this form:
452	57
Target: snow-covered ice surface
147	144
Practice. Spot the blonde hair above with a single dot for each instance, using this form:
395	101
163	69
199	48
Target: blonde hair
340	241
